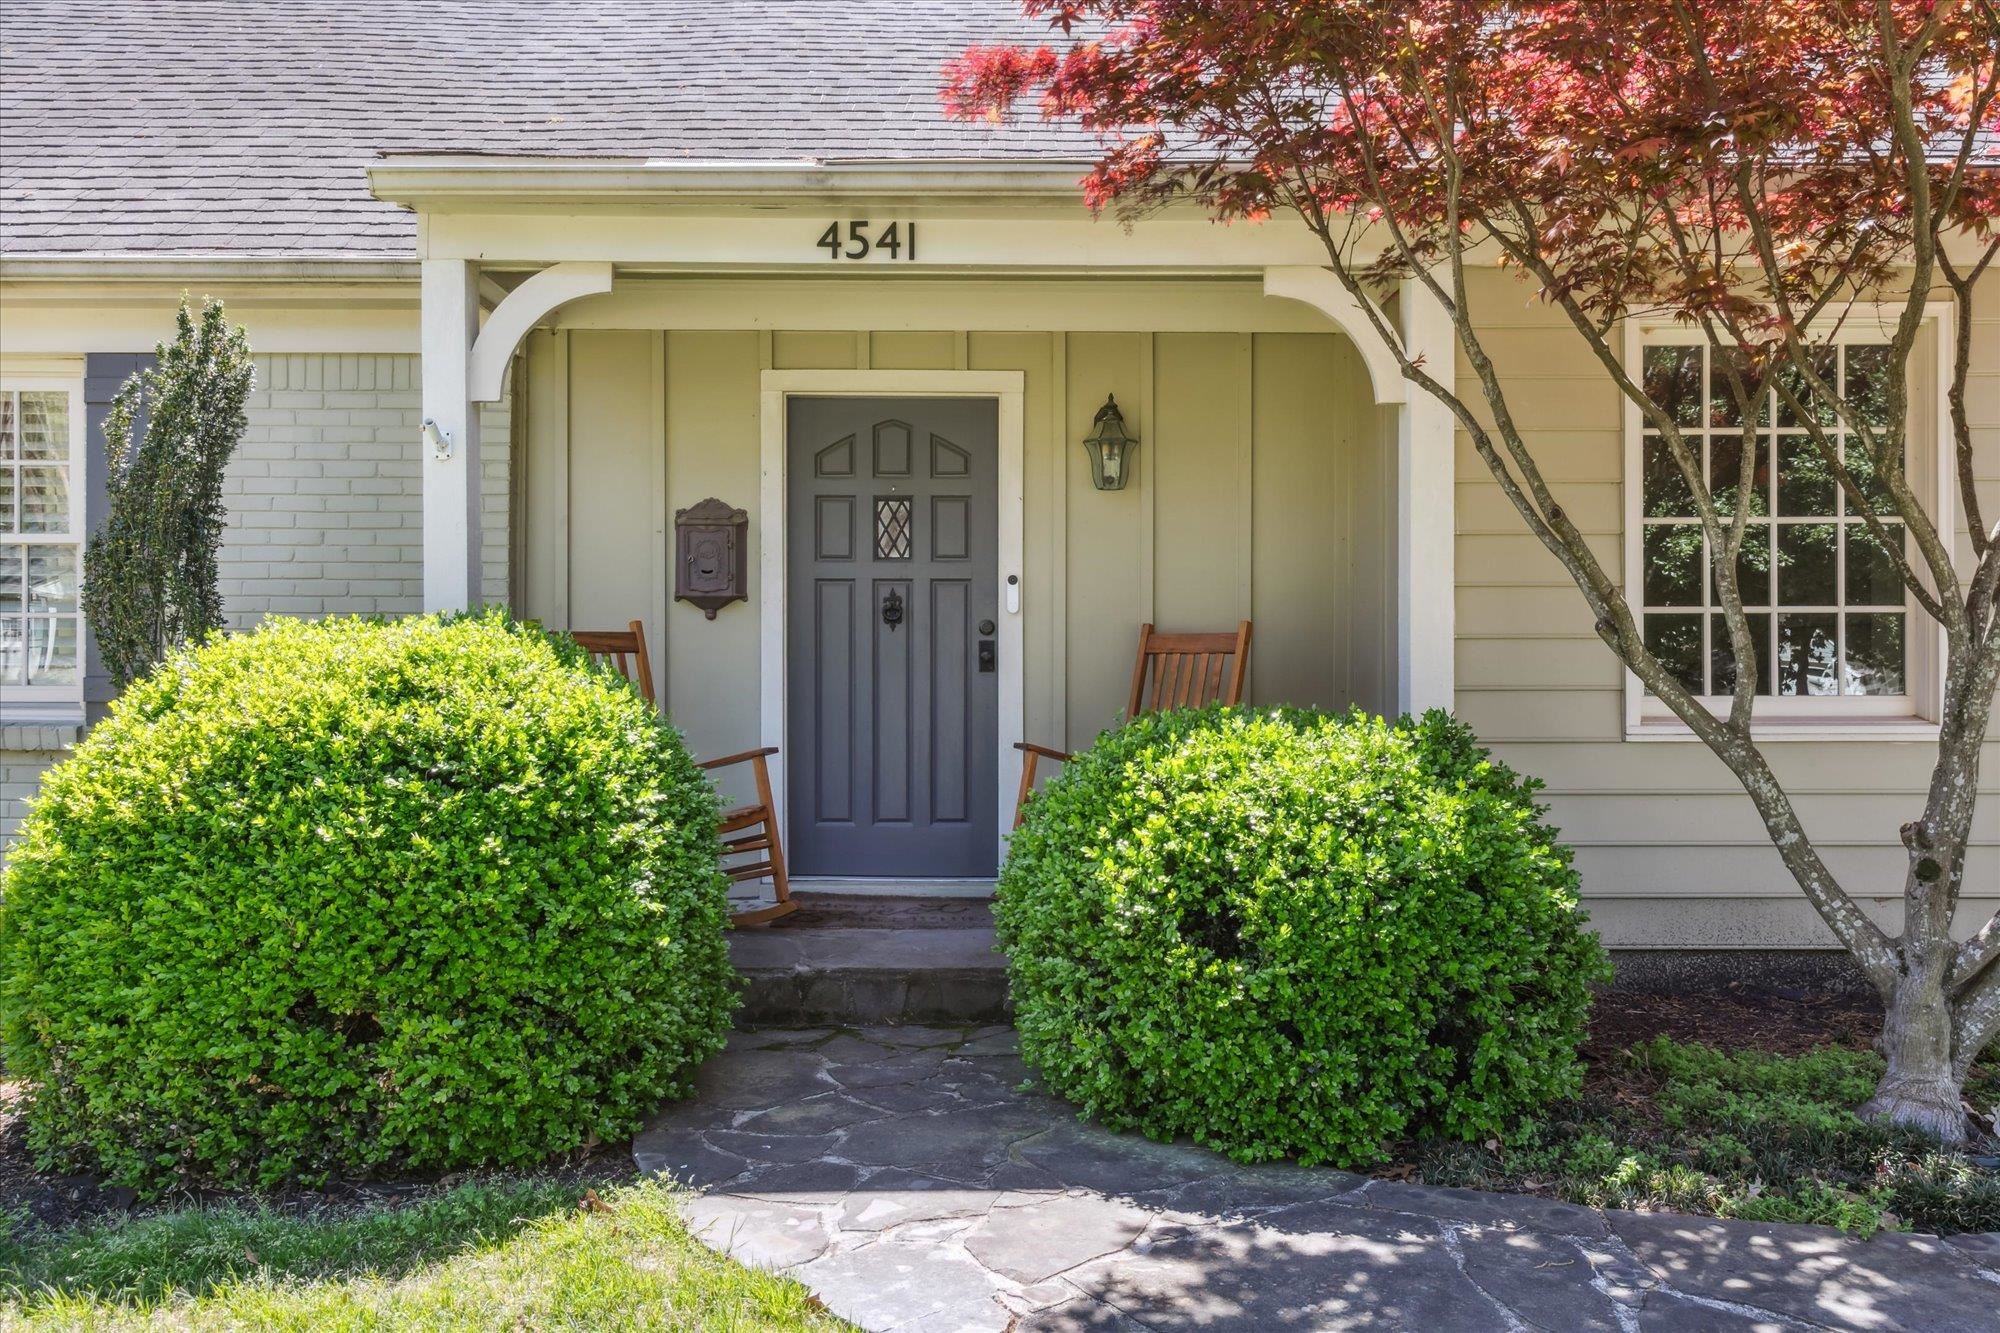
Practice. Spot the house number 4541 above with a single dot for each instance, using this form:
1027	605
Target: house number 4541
852	240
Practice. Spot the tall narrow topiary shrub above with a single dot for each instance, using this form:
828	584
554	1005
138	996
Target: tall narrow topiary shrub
150	572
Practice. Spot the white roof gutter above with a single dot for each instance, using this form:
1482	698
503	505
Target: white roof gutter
421	180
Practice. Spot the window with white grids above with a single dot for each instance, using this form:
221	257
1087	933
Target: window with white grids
1837	635
41	540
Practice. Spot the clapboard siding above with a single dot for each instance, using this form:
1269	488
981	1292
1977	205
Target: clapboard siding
1670	850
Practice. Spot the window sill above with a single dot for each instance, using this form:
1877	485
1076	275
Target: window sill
40	727
1798	729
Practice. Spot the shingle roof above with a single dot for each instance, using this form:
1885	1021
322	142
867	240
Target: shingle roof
245	127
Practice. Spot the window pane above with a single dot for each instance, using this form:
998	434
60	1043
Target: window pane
1805	482
1875	654
1822	359
1722	661
1808	654
1725	468
45	425
8	510
1867	383
1663	490
44	499
1862	465
51	578
1753	569
1733	374
10	578
1676	641
51	650
1673	565
1673	382
6	425
1806	564
13	650
1871	577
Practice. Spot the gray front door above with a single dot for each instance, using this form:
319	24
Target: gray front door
892	716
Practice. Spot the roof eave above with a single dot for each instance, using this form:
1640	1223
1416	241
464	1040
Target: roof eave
141	267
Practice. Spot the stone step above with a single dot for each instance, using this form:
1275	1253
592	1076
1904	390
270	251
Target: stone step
849	961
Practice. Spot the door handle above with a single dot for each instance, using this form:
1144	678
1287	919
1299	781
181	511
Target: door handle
986	654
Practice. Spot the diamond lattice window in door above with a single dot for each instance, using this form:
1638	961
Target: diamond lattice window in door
892	529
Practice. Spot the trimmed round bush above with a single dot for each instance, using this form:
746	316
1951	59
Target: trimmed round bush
345	897
1296	934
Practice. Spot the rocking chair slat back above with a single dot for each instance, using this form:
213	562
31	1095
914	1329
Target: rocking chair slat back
624	651
1188	670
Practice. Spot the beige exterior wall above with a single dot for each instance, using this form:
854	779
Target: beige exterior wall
1263	490
1671	852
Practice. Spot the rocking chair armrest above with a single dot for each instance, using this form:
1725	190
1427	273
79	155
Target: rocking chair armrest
729	759
1029	747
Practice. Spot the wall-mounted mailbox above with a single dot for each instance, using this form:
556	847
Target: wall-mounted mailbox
711	555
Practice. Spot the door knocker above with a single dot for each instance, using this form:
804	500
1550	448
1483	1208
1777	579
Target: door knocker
892	610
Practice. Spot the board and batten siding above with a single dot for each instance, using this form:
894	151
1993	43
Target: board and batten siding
1261	491
1670	850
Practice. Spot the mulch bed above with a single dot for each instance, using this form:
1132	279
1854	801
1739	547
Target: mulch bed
1739	1018
1787	1024
63	1200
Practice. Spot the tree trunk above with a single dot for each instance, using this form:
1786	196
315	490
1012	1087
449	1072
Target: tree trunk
1919	1090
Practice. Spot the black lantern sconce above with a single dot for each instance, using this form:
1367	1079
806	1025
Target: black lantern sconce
1110	447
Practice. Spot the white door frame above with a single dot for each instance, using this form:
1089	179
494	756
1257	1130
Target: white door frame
1006	388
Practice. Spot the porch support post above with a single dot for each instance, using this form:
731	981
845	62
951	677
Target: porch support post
449	448
1426	525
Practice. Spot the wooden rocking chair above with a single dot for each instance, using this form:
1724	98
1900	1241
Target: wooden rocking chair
1184	670
747	830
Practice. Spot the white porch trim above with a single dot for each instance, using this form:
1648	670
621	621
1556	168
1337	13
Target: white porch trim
1426	514
451	469
1007	388
1318	288
519	311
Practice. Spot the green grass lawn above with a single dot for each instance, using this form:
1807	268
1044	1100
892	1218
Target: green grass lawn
1743	1133
510	1255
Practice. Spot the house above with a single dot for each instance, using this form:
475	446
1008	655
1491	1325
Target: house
528	281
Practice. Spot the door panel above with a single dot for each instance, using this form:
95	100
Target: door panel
892	570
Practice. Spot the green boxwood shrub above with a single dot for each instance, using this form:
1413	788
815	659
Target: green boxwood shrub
1291	933
350	896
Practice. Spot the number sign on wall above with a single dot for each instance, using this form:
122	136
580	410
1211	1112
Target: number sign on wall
859	240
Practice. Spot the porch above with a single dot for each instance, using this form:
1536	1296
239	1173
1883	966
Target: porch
674	336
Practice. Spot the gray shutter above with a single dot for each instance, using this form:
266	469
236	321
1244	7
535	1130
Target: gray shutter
104	373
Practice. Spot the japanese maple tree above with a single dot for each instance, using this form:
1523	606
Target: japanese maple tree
1759	173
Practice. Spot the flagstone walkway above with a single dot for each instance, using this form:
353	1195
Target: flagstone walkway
899	1174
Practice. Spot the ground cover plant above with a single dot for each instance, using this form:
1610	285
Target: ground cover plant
1296	934
522	1253
1753	1119
343	898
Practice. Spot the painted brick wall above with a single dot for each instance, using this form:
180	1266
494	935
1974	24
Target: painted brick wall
325	496
325	512
25	754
